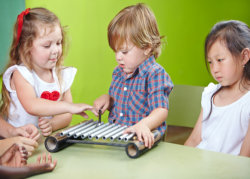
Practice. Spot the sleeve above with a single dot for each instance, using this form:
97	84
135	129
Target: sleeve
207	97
246	108
111	93
111	88
159	88
248	112
207	93
115	75
68	76
244	112
27	75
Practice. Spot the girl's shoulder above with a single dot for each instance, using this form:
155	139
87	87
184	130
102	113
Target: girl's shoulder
68	72
244	103
20	68
68	76
25	72
211	89
246	98
208	93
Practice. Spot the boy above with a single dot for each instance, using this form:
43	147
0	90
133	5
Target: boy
138	95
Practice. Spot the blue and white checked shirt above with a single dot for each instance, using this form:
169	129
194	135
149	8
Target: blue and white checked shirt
136	96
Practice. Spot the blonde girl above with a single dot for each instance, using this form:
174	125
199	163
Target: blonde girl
36	85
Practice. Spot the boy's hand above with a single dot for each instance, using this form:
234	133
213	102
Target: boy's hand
143	134
45	126
102	103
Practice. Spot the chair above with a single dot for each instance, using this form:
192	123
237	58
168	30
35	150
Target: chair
184	110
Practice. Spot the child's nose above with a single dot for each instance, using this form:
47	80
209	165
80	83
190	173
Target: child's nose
118	56
215	68
55	50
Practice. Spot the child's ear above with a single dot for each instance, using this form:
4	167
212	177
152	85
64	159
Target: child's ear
246	55
147	51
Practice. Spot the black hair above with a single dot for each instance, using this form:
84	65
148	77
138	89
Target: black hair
236	36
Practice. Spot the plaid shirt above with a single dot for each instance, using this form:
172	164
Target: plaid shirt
136	96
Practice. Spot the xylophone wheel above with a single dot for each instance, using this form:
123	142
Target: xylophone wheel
54	144
135	149
132	150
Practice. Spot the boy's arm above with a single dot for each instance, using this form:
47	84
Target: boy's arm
159	86
159	89
195	138
245	148
144	127
155	118
103	103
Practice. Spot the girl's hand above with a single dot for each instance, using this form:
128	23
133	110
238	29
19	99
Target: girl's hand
81	107
45	126
143	134
102	103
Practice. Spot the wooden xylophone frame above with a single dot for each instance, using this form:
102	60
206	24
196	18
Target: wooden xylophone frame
133	147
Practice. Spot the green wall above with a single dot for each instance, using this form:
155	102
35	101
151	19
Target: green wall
8	14
184	23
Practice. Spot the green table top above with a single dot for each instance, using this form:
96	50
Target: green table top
166	160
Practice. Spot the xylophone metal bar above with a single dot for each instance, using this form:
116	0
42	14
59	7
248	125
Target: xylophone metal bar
65	132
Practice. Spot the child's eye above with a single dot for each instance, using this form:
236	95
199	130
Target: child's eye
210	62
46	46
220	59
58	43
125	52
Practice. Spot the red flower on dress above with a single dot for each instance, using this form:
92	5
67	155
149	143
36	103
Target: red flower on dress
54	96
45	95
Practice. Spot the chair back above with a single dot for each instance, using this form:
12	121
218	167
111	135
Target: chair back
184	105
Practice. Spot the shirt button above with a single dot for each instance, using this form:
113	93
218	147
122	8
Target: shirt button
125	88
121	114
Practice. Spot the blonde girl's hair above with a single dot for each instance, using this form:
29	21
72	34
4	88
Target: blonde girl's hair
20	49
138	25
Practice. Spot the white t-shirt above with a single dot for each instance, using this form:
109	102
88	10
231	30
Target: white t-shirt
227	126
17	114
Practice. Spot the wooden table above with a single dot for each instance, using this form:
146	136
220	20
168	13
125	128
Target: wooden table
164	161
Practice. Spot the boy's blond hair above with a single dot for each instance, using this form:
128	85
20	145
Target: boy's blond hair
138	25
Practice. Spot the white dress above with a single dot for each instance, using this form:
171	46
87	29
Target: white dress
227	126
17	114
